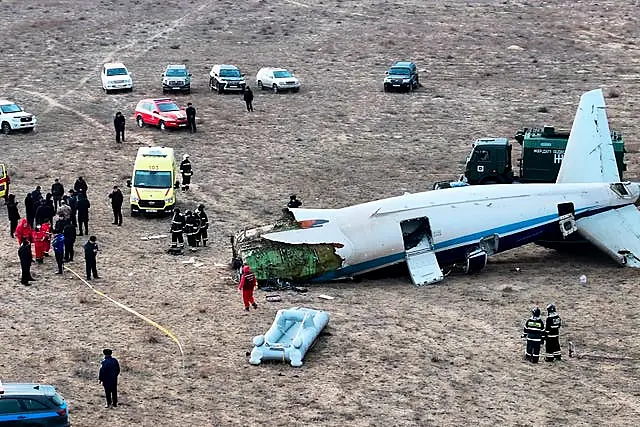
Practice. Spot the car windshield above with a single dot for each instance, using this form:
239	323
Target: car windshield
116	72
281	74
10	108
399	72
168	106
176	72
229	73
152	179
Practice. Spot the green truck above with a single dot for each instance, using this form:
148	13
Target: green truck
542	150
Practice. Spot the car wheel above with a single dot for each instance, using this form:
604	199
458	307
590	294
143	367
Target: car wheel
219	88
139	121
133	213
260	85
274	88
28	130
162	125
6	128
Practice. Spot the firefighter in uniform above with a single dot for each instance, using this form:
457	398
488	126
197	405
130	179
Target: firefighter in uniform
552	334
204	225
191	229
534	333
177	227
185	170
294	202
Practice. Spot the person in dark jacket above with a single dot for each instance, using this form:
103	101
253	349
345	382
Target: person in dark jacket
116	204
90	252
534	333
58	250
186	171
57	191
36	196
118	124
552	334
80	186
177	228
45	212
12	213
191	117
82	207
108	377
73	205
69	232
203	235
191	228
26	259
248	98
294	202
30	209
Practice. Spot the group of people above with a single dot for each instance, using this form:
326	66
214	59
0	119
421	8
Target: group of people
193	224
537	332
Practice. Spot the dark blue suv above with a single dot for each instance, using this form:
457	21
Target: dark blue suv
402	76
33	405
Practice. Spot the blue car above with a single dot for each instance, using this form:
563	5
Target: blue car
33	405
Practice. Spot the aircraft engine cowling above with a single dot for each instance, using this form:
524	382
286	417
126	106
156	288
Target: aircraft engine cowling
476	261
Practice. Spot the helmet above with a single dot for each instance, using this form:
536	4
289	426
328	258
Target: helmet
187	212
535	311
551	308
201	207
176	210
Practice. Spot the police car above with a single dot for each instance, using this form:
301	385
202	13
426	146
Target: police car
34	405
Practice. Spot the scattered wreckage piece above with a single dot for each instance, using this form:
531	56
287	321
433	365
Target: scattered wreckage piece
291	335
154	237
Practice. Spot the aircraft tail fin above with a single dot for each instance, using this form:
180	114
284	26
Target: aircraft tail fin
589	156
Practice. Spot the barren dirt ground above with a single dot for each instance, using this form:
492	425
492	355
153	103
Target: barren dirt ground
395	354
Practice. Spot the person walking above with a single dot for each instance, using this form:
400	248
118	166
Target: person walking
294	202
202	236
186	171
191	117
116	205
108	377
552	334
58	250
57	191
26	259
118	124
12	213
82	207
247	285
534	333
69	233
248	98
90	252
177	227
80	186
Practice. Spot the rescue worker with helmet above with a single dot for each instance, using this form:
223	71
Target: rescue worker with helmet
191	229
177	228
202	236
552	334
534	333
186	171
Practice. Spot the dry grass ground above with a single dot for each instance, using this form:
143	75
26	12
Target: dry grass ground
449	354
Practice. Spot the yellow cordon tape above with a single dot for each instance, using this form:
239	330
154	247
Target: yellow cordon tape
132	311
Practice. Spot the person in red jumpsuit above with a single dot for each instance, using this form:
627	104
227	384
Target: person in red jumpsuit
39	243
46	227
24	231
248	283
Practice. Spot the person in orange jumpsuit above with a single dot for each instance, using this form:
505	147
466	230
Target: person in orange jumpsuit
39	243
46	227
23	231
248	283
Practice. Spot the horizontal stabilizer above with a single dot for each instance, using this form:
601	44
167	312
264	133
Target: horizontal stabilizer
589	156
615	232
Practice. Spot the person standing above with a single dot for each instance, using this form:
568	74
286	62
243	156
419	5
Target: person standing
36	196
80	186
30	209
248	98
58	250
247	284
294	202
39	237
186	171
12	213
191	117
192	226
118	124
69	232
73	205
46	229
26	259
90	252
116	204
203	235
552	334
177	227
82	207
45	211
24	231
108	377
534	333
57	191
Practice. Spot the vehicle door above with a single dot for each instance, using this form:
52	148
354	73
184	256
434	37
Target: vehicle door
268	77
10	412
38	414
4	181
152	111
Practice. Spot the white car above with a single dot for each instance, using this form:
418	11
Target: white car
277	79
12	118
115	76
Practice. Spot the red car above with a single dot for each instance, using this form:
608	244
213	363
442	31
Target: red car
162	112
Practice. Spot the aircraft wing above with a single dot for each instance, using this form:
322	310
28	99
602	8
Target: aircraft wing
589	156
615	232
